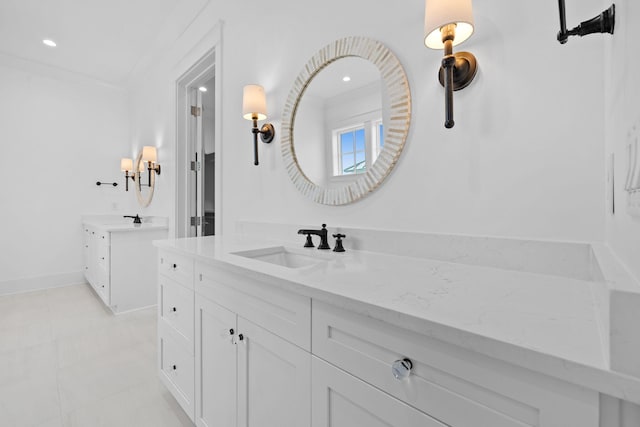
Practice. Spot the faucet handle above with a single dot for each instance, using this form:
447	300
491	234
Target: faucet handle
339	247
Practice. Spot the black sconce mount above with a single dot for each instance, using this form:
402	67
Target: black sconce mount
456	72
267	133
602	23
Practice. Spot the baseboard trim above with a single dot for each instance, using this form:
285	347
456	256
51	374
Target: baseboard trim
31	284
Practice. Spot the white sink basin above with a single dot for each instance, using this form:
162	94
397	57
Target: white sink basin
280	255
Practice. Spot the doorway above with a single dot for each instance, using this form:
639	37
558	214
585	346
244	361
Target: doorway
198	147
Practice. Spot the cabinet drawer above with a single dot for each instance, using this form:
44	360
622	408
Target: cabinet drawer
177	371
456	386
100	282
341	399
175	307
97	236
176	267
286	314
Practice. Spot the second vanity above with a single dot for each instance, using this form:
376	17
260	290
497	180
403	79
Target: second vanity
117	258
366	338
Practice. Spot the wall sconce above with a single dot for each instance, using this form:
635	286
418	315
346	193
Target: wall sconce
448	23
126	166
150	155
254	107
603	23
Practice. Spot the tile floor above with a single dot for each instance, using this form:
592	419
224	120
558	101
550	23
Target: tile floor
66	361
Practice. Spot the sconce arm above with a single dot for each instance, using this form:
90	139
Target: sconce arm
602	23
448	63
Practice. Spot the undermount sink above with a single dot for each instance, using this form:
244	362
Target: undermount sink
280	255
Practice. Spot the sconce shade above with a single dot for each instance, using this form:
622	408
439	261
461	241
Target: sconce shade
254	102
149	154
438	13
126	165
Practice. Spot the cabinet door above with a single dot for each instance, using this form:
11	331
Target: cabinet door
216	356
342	400
274	380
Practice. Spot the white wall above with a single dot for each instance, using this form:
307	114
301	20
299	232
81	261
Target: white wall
622	101
525	157
60	133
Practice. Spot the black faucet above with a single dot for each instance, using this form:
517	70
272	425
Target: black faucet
324	244
136	219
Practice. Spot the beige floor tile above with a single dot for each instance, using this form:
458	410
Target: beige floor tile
66	360
140	406
30	362
103	339
18	338
98	378
30	401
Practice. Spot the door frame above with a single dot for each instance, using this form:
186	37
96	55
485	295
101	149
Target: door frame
207	66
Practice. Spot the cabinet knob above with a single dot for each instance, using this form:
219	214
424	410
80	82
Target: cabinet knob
401	369
174	309
175	368
241	337
231	331
175	266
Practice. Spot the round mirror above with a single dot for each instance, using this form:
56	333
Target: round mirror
346	121
144	182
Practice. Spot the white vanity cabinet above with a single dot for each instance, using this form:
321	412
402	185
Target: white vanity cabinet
250	368
118	262
263	356
455	387
97	263
176	338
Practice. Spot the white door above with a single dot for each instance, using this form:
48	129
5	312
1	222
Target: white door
342	400
274	388
215	359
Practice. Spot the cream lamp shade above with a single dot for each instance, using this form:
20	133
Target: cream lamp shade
254	102
126	165
149	154
439	13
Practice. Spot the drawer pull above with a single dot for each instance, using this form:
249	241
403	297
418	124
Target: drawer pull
401	369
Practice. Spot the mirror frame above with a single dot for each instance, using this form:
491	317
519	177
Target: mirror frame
395	133
137	183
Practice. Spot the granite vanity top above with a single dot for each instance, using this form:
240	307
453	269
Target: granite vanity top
542	322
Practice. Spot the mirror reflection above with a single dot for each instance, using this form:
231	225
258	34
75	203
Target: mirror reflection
341	141
340	122
144	181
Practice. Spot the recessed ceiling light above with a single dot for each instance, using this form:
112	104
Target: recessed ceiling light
49	43
202	89
346	79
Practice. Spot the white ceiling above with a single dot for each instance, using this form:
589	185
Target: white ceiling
102	39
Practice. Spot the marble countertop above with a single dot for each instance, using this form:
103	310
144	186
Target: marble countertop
545	323
119	223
